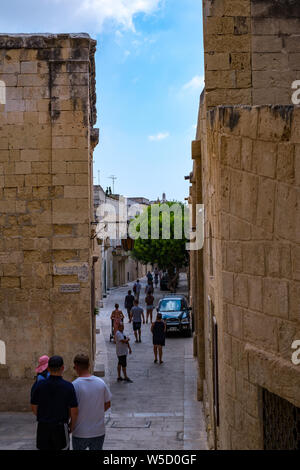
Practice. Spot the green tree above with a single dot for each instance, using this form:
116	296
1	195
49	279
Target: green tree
162	237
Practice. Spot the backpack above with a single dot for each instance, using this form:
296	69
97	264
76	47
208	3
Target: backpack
134	288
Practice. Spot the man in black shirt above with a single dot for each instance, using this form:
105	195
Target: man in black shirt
54	402
129	300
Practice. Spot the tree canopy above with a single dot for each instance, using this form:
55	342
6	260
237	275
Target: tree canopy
162	236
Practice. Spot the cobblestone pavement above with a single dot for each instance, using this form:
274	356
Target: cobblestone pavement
158	411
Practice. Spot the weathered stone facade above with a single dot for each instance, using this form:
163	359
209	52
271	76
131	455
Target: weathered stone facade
47	255
245	286
118	268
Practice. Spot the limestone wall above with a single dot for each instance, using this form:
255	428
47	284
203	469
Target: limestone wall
250	179
252	52
46	253
227	46
275	50
251	193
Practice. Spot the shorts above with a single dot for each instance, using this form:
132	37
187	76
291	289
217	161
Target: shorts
51	436
92	443
137	325
122	361
149	307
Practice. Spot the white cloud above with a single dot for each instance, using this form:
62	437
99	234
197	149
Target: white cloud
57	16
196	83
120	11
159	136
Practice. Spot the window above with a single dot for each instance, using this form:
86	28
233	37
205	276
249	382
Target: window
174	305
281	420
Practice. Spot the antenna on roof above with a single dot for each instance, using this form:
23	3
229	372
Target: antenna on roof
113	178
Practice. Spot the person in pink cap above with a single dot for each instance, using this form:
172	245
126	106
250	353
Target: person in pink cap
42	371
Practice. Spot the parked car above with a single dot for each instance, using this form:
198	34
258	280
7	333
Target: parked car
177	314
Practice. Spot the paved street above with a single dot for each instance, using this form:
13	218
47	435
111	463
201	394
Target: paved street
158	411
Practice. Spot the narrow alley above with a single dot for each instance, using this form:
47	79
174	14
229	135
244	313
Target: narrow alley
159	409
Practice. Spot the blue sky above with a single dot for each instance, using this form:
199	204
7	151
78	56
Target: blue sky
149	66
145	92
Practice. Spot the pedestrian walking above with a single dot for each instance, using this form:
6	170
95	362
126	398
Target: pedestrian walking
129	301
137	289
136	316
158	330
149	300
53	402
149	277
156	276
42	372
149	288
122	349
94	399
117	317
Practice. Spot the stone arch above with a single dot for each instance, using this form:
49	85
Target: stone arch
2	92
2	353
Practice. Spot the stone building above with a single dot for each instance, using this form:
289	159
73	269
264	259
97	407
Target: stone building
48	257
245	283
118	267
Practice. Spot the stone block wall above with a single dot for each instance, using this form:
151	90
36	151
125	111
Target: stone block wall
249	138
275	50
252	53
227	46
46	253
251	194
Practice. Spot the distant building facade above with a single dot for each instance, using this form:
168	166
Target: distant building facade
118	268
245	283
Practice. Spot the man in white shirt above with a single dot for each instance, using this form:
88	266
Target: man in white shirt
122	348
94	399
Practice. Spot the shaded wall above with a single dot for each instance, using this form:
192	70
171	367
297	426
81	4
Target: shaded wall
250	187
252	175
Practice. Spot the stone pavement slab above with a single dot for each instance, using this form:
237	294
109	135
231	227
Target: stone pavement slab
17	431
